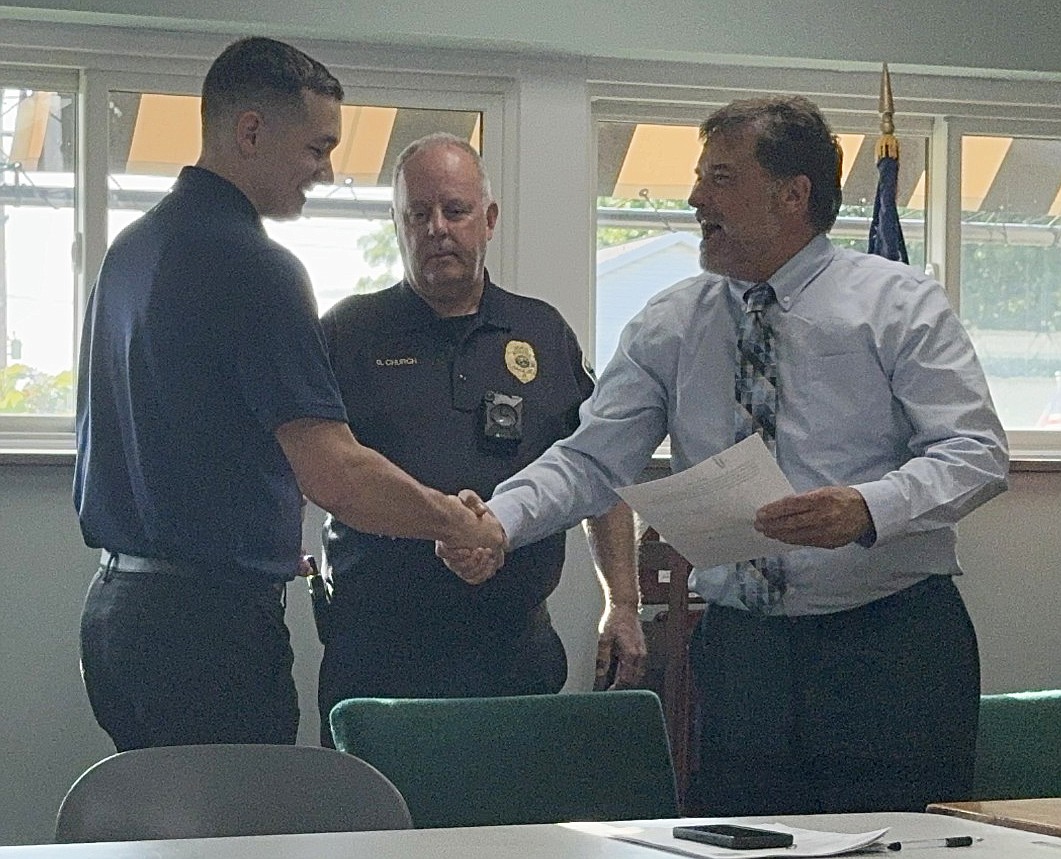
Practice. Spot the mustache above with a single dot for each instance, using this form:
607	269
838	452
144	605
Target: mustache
444	249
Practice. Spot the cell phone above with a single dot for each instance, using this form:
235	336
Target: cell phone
733	837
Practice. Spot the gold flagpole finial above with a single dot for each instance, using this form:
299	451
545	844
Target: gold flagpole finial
887	144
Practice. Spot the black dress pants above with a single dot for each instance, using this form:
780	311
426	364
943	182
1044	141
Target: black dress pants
169	660
440	661
863	710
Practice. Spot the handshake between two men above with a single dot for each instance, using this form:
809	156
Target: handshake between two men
476	564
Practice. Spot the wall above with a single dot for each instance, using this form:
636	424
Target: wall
1011	551
48	736
1019	34
1011	548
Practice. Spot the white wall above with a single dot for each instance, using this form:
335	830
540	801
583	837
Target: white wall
1011	549
47	733
1018	34
1011	552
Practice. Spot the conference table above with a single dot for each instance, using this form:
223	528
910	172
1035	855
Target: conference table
1034	815
552	841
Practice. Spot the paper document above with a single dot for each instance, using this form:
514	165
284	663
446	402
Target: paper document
706	512
806	842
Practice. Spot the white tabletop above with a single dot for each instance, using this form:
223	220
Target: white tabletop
543	842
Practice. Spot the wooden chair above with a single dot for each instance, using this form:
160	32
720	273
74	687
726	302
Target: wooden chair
664	580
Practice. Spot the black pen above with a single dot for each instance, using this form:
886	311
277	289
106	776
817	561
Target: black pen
956	841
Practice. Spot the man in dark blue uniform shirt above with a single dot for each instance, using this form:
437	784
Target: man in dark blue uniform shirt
205	404
462	384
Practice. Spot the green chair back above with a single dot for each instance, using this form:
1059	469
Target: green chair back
530	759
1018	746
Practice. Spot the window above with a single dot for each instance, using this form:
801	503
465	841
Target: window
37	276
979	200
134	132
648	238
1011	272
344	237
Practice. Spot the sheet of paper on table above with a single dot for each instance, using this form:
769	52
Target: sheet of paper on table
706	512
806	842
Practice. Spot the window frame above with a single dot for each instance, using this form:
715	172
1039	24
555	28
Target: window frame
517	94
35	438
1029	445
941	106
34	433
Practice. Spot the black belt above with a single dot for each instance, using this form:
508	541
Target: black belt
115	562
122	563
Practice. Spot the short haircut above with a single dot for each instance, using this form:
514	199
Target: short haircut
445	139
262	74
792	139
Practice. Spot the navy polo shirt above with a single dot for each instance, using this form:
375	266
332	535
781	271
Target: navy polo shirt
201	337
413	385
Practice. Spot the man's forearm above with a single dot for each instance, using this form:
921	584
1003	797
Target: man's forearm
387	501
367	492
621	652
613	548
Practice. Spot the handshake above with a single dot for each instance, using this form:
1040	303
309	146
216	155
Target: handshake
477	551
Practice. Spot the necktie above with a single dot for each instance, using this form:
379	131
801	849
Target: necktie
761	581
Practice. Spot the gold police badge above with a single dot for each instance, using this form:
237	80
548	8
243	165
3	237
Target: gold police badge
521	361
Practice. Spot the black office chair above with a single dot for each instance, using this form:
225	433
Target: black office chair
528	759
217	790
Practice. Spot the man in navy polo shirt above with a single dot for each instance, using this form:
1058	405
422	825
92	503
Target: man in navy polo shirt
461	383
206	408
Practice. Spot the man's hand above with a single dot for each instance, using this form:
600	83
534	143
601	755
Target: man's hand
470	499
827	518
620	639
476	556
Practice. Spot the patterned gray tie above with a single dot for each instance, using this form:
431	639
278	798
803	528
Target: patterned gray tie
762	580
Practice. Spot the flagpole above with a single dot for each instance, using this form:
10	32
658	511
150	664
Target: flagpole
885	230
887	143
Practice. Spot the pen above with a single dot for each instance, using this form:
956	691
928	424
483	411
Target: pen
956	841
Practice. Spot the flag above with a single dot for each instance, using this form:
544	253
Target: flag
885	231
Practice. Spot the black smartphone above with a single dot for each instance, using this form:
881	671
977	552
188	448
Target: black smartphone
733	837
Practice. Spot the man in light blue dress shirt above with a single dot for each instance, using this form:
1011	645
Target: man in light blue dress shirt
858	689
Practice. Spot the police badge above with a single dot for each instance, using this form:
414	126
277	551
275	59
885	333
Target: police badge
521	361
